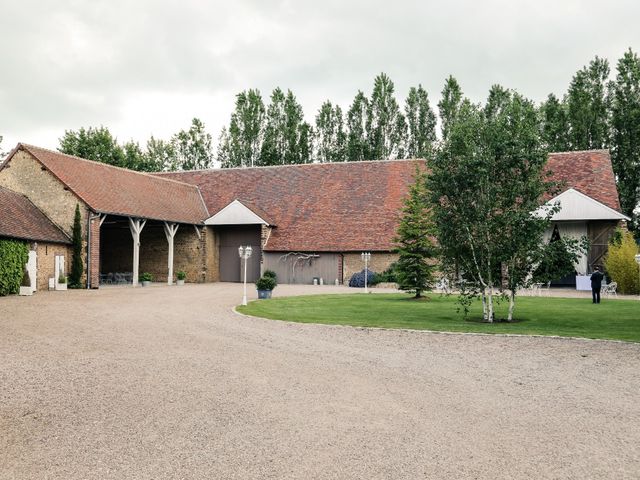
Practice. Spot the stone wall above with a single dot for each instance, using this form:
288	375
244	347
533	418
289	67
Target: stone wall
24	174
45	261
352	263
212	254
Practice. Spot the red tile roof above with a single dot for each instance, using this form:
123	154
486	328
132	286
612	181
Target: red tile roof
590	172
351	206
118	191
21	219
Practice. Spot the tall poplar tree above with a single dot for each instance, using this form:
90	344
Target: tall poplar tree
555	124
330	137
246	130
449	104
625	131
193	148
421	124
386	127
286	136
357	146
588	107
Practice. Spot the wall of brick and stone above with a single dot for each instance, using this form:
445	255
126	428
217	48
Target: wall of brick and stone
352	263
46	261
212	255
24	174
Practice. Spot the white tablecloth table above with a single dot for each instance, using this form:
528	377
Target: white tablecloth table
583	282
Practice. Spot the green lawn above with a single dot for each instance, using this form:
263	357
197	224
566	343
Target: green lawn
612	319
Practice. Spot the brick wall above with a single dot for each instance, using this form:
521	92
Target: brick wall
212	254
45	261
24	174
352	263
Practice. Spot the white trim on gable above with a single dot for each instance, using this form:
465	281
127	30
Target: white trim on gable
236	213
576	205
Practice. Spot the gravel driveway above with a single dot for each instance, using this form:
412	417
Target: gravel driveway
168	382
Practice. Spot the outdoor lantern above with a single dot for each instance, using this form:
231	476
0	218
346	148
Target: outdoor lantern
245	253
366	257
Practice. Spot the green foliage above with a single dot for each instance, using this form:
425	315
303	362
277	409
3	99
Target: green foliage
266	283
145	277
13	258
26	279
390	275
421	124
449	105
357	146
559	257
625	130
287	136
193	148
270	274
62	279
181	275
486	180
621	266
330	137
77	268
415	268
588	106
242	143
386	126
555	124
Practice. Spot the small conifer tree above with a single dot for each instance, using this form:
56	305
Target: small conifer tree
416	265
76	259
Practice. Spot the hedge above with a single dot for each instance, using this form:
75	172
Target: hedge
13	258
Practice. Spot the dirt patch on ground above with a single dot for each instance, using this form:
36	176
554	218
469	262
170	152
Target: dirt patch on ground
167	382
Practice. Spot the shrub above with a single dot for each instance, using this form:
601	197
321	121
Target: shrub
146	277
266	283
62	279
75	277
13	258
389	275
621	265
270	274
357	279
26	279
181	275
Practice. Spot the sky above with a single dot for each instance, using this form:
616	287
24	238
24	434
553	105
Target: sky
146	67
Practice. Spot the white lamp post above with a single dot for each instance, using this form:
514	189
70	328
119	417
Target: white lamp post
245	253
366	256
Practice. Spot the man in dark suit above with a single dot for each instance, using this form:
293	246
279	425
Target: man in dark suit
596	284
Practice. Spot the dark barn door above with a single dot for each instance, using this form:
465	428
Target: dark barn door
230	239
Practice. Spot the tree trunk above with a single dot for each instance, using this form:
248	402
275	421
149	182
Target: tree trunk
490	306
512	304
484	305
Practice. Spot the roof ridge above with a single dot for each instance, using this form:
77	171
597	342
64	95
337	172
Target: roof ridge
582	151
106	165
292	165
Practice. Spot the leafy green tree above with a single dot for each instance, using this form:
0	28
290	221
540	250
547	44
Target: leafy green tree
193	148
75	276
357	145
246	130
160	155
486	180
620	263
421	124
417	252
223	153
625	130
330	137
93	144
14	255
588	106
449	104
559	257
555	124
287	136
386	127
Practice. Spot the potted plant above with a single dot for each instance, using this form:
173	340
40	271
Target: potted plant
181	275
25	285
62	282
146	278
265	286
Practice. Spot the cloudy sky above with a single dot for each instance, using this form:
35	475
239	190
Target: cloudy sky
148	67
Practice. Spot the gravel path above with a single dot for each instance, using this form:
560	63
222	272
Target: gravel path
167	382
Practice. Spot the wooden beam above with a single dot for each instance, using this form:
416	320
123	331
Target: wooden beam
170	230
136	225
